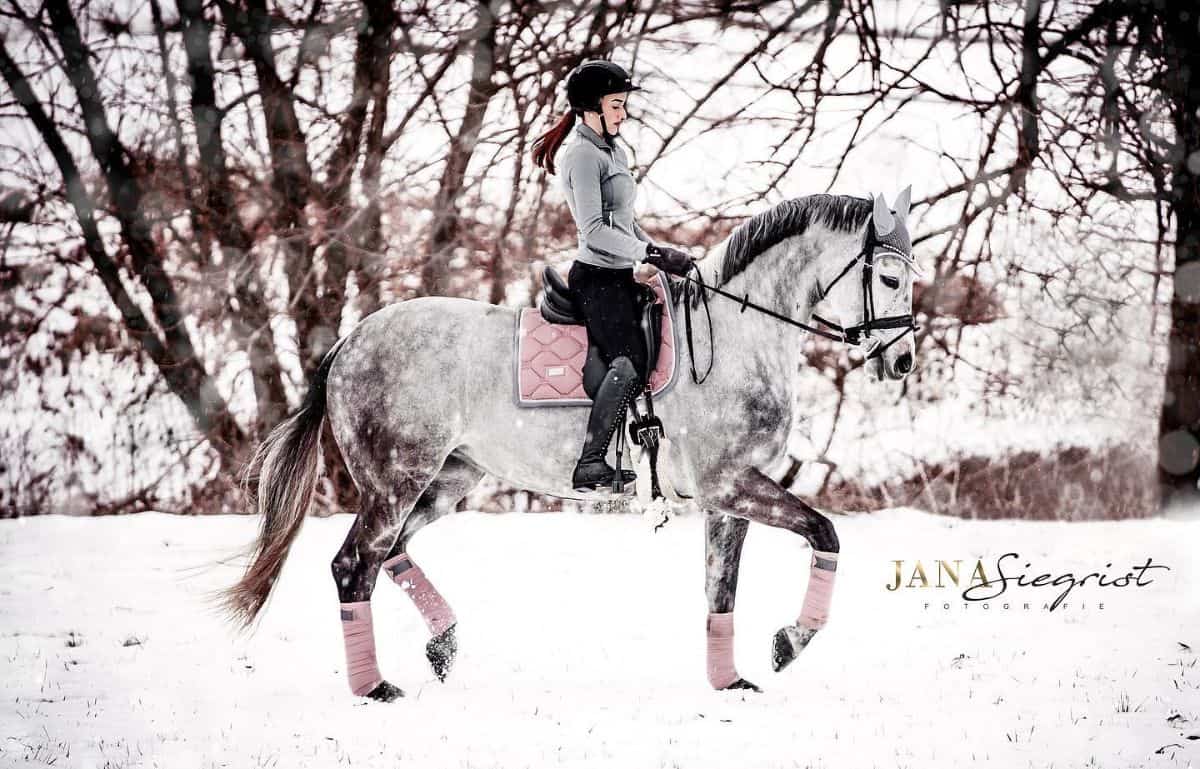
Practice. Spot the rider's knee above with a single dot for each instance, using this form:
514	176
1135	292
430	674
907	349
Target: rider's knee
624	369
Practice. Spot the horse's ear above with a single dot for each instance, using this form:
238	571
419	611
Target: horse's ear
884	221
901	206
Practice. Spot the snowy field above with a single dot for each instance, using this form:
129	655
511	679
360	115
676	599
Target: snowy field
582	644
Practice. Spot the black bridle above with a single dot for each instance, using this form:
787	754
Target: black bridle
852	335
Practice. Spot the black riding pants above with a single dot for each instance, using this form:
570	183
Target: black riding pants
607	298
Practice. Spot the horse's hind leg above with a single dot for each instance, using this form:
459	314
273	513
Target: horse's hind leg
452	484
356	568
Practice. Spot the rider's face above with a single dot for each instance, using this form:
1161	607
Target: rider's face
613	106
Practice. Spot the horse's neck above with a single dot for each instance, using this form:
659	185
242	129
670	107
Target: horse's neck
774	281
782	279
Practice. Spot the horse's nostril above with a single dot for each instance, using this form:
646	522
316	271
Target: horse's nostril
904	363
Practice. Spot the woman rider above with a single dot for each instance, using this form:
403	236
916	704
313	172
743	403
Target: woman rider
600	192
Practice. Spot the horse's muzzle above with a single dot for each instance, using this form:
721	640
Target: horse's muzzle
894	367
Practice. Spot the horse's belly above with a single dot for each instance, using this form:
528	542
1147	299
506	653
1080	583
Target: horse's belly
528	448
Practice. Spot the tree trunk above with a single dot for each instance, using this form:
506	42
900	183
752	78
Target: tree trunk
1027	97
1179	424
218	214
173	354
291	177
444	231
349	226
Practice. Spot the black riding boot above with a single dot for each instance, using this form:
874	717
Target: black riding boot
620	385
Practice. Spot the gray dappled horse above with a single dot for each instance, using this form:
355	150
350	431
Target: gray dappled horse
419	397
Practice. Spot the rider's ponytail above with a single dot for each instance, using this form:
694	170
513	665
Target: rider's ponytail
546	145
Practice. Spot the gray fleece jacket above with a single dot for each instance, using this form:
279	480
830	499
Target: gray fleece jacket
600	192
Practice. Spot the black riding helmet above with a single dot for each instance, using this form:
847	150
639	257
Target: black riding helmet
594	79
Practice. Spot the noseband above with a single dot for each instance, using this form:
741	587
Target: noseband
853	335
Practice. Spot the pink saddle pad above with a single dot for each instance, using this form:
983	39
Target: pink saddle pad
550	357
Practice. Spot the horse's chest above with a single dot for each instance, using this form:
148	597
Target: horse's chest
767	416
748	422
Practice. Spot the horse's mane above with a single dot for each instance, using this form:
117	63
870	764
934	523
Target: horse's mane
840	213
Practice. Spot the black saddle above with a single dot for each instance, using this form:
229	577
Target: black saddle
558	306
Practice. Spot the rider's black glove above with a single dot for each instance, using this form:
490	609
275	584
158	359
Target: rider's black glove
669	259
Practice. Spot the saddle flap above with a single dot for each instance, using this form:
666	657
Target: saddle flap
652	330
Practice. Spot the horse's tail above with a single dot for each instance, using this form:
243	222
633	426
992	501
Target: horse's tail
279	481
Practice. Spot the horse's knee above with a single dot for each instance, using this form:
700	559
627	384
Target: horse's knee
820	533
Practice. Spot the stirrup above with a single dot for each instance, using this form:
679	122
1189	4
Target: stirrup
601	481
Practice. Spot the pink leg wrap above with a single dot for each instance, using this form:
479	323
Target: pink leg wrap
359	634
815	612
434	610
721	672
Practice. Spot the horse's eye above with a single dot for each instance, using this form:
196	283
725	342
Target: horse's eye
889	281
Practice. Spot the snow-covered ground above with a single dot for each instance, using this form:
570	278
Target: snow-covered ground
582	644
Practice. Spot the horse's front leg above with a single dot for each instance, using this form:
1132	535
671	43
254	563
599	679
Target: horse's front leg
752	496
724	536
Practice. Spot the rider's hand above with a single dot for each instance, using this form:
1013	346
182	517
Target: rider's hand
669	259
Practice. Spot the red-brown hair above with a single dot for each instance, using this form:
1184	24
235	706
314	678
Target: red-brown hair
546	145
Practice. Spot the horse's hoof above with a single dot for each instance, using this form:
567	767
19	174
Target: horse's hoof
385	692
789	642
440	651
742	683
